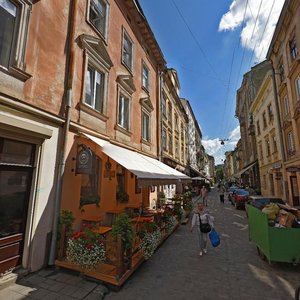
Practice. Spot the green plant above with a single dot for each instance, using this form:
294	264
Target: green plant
66	218
122	197
86	248
123	227
150	242
178	211
170	223
161	198
147	228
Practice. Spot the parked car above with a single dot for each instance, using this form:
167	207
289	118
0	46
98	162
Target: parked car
230	191
240	197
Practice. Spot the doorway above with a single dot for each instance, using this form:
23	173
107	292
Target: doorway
295	190
16	169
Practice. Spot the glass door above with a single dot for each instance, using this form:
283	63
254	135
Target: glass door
16	169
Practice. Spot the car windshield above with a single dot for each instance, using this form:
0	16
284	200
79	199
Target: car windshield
242	192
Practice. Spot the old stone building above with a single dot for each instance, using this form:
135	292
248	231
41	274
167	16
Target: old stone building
284	54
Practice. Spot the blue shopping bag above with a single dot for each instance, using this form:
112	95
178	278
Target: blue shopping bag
214	238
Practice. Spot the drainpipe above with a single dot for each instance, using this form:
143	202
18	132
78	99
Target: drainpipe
68	108
280	130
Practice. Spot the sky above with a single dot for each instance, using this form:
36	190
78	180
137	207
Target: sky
211	44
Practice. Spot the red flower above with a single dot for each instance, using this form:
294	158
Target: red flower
86	236
91	226
83	225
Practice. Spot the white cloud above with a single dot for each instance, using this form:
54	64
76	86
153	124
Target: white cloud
213	147
261	37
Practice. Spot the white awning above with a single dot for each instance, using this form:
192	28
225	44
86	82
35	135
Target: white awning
149	171
245	169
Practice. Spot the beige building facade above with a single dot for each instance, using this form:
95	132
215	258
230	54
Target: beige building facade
267	131
284	53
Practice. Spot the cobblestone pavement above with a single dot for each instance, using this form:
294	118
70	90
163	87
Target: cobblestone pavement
232	271
176	271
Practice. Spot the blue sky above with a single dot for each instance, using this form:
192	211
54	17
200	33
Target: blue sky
211	44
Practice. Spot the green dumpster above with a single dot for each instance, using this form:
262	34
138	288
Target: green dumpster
276	244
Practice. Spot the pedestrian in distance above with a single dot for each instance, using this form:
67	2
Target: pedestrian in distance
221	192
201	216
204	193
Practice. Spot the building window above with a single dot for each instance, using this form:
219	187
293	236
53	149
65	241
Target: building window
164	139
264	119
145	77
163	105
286	105
274	144
176	123
293	48
182	152
127	52
170	140
261	153
268	147
258	128
170	113
176	149
270	112
290	143
145	126
123	111
182	132
14	18
298	87
281	73
98	15
94	89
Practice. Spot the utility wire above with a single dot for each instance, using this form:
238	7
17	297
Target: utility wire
246	47
196	41
238	46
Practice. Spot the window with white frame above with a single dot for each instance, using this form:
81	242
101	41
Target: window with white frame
298	87
270	112
98	15
290	143
145	77
127	51
94	88
286	105
14	18
123	111
145	126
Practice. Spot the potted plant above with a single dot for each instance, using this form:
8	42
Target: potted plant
122	197
161	199
64	230
150	239
124	228
86	248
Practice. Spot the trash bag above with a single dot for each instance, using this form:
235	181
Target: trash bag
271	210
214	238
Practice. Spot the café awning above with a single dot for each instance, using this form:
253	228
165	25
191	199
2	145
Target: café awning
245	169
148	171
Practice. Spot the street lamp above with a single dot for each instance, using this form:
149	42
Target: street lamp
222	141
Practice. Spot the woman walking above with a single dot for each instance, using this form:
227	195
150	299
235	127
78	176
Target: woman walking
202	219
204	193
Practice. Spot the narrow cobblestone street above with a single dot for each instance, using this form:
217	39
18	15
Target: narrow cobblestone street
176	271
231	271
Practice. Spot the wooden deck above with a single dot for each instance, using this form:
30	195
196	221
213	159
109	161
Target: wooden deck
105	272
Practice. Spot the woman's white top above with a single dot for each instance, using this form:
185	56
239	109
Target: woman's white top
205	218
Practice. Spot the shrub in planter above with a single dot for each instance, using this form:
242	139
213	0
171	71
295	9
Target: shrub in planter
123	227
171	222
86	248
150	241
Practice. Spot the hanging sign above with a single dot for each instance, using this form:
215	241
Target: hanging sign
85	160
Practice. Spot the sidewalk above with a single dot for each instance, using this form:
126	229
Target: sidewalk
50	284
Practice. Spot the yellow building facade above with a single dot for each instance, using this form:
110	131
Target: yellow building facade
265	119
